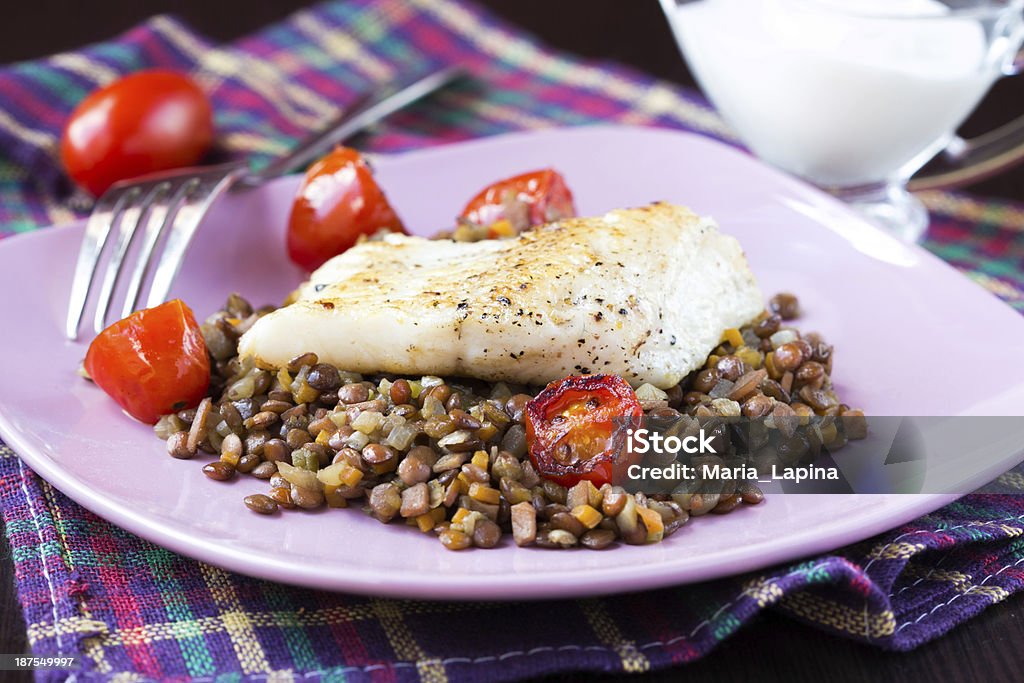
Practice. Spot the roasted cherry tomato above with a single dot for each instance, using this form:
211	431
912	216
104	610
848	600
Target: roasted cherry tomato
577	428
337	203
525	200
149	121
153	362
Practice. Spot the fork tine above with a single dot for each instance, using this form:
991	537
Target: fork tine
211	185
127	225
160	216
97	230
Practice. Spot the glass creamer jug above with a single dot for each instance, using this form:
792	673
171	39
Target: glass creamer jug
852	95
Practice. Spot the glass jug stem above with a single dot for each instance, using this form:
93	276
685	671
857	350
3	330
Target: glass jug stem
890	206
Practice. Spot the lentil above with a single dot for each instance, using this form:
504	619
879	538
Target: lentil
283	497
787	357
385	501
730	368
377	454
264	470
785	305
324	377
767	326
706	380
219	471
353	393
514	441
276	450
301	361
726	504
597	539
614	502
565	521
486	534
261	503
515	406
247	463
400	392
308	499
416	466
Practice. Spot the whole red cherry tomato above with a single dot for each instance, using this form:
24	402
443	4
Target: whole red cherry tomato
153	362
577	428
524	200
337	203
149	121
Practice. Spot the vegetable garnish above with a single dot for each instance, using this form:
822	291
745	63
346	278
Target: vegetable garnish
577	428
338	202
153	120
153	362
523	201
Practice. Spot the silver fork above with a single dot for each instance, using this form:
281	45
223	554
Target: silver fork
172	205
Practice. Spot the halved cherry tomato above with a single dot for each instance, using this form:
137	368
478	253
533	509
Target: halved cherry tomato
577	428
524	201
150	121
337	203
153	362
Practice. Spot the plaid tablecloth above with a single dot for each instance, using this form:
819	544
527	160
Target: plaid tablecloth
134	611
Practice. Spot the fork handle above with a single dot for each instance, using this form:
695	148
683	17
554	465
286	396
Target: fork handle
368	110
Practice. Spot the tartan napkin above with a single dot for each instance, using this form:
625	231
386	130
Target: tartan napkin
134	611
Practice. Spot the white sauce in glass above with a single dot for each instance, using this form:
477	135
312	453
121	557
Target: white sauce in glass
841	92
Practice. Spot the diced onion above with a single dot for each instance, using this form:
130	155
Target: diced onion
649	392
368	421
299	477
783	337
432	408
401	436
358	441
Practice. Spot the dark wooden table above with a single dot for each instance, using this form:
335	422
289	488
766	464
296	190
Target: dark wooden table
772	648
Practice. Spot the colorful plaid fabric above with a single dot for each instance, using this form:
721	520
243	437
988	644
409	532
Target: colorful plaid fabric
133	611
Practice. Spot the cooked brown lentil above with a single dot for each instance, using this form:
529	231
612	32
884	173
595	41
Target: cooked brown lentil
261	503
219	471
785	305
264	470
282	496
247	463
486	534
307	498
450	456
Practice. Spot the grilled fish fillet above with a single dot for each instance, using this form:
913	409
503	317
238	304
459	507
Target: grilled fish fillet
643	293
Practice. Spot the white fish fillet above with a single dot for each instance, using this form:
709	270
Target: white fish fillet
643	293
